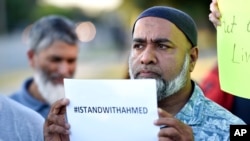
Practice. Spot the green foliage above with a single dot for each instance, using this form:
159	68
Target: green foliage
21	13
17	12
198	9
43	10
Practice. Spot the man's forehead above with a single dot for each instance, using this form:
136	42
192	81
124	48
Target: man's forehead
153	21
153	28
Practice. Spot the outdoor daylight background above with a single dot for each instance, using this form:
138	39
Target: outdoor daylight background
105	29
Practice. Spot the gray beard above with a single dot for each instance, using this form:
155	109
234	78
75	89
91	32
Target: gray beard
168	88
49	91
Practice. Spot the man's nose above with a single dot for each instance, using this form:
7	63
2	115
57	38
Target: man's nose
64	69
148	56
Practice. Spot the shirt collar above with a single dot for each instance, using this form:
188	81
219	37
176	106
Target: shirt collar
30	100
191	113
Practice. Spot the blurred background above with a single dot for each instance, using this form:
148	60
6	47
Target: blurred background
106	35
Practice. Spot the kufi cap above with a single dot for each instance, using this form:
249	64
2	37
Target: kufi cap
181	20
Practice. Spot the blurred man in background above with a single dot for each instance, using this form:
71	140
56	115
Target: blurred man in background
52	54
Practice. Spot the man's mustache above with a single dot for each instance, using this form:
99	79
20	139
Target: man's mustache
145	68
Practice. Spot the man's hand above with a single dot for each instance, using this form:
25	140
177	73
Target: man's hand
215	14
174	129
55	127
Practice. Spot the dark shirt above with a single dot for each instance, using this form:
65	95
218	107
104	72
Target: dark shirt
241	108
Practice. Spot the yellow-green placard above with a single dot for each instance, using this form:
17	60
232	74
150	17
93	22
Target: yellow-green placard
233	47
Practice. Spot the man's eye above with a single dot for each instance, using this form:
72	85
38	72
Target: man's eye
55	59
138	46
162	46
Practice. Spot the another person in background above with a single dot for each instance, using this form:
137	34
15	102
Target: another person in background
165	48
53	51
211	88
211	85
19	123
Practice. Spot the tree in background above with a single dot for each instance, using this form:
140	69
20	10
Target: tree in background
20	13
198	9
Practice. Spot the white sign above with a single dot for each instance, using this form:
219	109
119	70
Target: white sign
112	110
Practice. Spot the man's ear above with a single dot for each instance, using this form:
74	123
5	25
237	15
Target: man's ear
194	52
31	58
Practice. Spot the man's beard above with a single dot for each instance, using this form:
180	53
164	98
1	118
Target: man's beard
168	88
49	91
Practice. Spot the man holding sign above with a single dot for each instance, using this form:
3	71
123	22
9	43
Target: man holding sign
165	48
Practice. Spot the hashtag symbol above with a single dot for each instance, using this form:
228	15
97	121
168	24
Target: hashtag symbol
76	109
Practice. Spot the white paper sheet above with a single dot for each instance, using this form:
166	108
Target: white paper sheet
112	110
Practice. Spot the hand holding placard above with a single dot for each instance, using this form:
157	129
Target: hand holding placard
110	110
